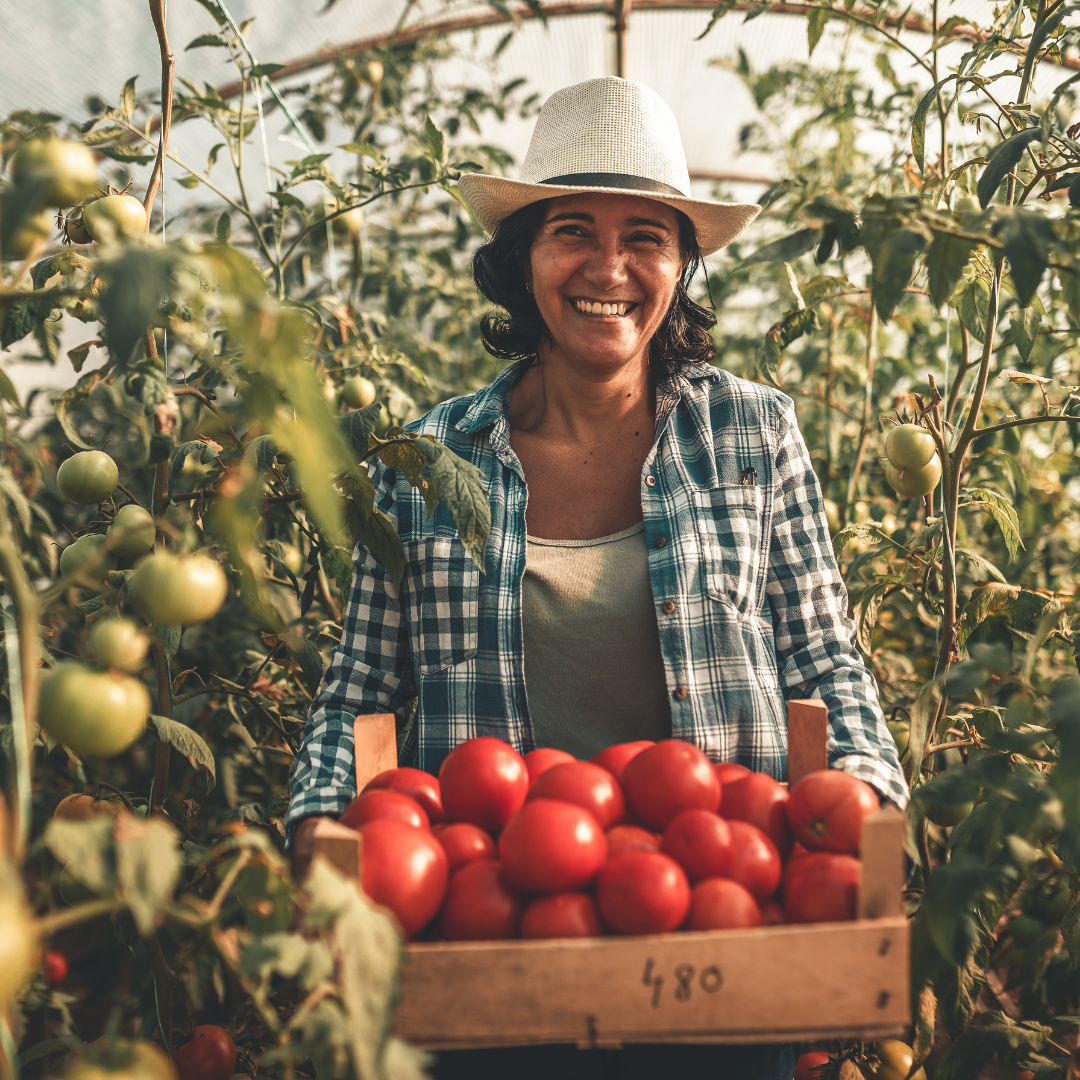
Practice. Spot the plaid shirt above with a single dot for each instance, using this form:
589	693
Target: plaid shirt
738	542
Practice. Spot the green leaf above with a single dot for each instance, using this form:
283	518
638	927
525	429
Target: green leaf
951	903
793	326
20	320
994	1033
894	263
1001	161
262	452
78	355
169	637
982	564
786	249
357	425
135	285
994	599
224	228
1024	329
7	389
461	485
190	743
126	110
305	653
371	528
864	530
866	613
1002	511
973	306
259	71
436	142
85	850
206	452
130	155
148	865
1070	293
65	403
817	18
206	41
1027	238
918	124
946	258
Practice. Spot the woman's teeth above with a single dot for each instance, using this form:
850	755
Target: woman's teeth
588	308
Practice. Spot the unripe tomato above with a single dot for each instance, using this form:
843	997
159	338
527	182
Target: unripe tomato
821	887
967	205
545	757
119	1059
761	801
114	216
949	814
349	224
464	843
910	447
914	483
755	861
18	941
701	843
719	903
176	591
585	784
805	1065
562	915
82	807
34	227
68	170
669	777
95	713
357	392
1051	902
727	771
631	838
616	758
900	730
552	846
211	1055
76	232
56	968
826	809
86	557
896	1060
404	869
374	72
132	532
484	781
88	477
380	805
418	785
119	643
481	905
643	892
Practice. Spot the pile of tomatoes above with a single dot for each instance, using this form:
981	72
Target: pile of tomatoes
645	838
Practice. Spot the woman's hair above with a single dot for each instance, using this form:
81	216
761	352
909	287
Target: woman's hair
499	269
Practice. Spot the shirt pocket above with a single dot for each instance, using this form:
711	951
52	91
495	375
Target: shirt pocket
443	584
729	527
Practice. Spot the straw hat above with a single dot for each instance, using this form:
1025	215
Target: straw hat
611	135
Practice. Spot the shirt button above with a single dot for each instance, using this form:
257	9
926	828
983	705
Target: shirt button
669	607
681	692
650	481
661	542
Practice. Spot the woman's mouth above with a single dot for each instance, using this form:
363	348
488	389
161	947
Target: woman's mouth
604	308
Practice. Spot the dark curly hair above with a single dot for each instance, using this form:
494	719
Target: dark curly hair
515	333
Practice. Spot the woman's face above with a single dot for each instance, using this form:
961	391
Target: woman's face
603	272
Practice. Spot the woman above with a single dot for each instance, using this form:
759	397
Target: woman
658	564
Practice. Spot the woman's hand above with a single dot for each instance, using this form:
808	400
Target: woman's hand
303	846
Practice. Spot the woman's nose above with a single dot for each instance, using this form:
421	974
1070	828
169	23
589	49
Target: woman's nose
606	267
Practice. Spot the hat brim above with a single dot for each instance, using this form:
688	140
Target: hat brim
491	199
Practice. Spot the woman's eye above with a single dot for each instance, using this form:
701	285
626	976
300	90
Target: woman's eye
569	230
650	238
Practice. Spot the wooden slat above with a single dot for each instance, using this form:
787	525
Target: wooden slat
339	846
881	891
808	730
771	984
375	736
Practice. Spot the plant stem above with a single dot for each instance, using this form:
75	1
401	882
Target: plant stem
165	708
168	65
48	925
163	981
868	400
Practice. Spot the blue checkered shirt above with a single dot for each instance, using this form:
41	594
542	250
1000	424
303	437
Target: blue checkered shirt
760	609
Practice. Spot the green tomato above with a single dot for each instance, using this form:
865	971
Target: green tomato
1051	903
119	643
176	591
900	731
88	478
119	1059
132	532
34	227
358	392
896	1058
67	169
949	814
909	447
914	483
85	556
93	713
76	232
1024	929
113	216
967	205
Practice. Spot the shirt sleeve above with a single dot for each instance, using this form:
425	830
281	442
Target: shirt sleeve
370	671
813	634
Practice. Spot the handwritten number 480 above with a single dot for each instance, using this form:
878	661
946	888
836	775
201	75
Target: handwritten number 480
709	979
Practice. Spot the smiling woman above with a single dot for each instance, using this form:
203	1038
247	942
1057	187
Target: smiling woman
659	563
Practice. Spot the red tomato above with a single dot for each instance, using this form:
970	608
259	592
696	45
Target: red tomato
481	905
546	757
417	784
404	869
726	771
762	801
822	887
669	777
616	758
551	846
211	1055
826	810
701	843
756	862
630	838
464	843
643	892
56	968
719	903
563	914
586	784
807	1062
772	914
484	781
381	804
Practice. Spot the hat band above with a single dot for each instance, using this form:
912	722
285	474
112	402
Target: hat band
615	180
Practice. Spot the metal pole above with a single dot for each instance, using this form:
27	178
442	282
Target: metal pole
622	18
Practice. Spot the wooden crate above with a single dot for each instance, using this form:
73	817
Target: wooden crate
770	984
